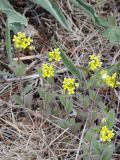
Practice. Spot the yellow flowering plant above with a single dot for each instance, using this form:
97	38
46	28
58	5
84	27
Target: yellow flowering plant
106	134
110	81
94	62
21	41
106	131
48	70
54	55
69	85
85	107
101	136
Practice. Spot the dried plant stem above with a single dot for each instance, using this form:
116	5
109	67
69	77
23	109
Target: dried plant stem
80	143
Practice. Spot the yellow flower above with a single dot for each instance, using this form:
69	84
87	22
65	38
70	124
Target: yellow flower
21	41
54	55
105	134
110	80
48	70
95	62
70	85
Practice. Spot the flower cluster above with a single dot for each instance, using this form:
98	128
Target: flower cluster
70	85
110	80
22	41
95	62
54	55
106	134
48	70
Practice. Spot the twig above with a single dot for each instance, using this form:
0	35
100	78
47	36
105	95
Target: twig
32	77
81	139
56	138
26	57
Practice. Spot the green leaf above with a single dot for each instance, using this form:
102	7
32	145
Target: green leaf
48	98
71	124
111	119
69	105
112	33
62	99
88	136
17	99
84	69
92	95
107	153
86	101
102	106
54	9
8	42
20	69
112	21
67	123
66	102
16	27
87	8
45	94
41	91
12	16
103	22
97	146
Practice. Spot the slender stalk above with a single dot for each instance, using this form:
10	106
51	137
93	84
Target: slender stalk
44	98
8	42
21	82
